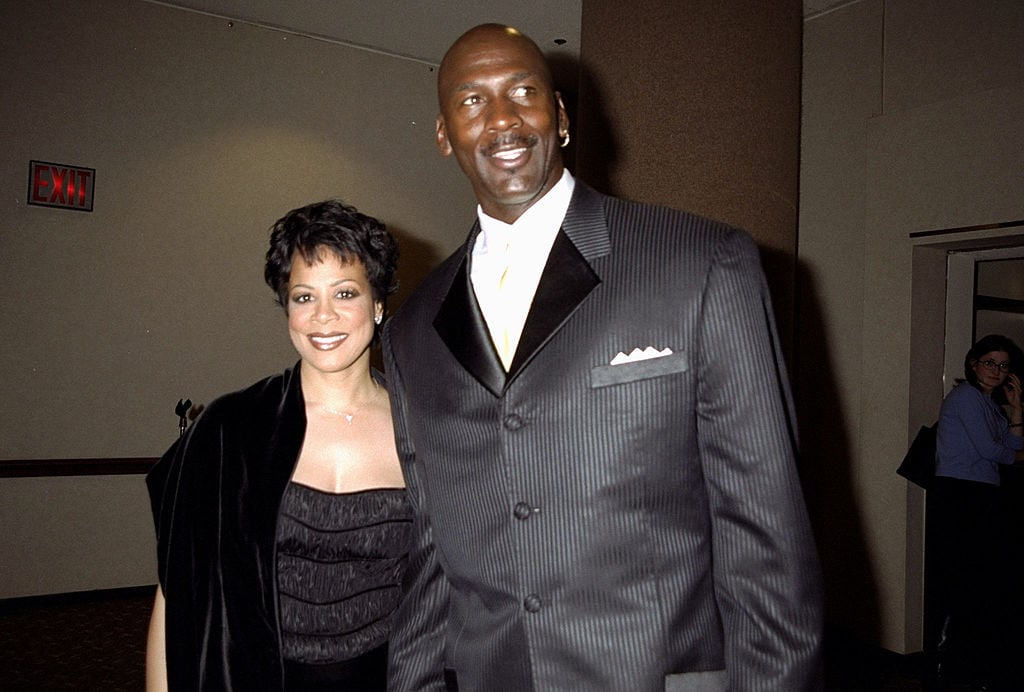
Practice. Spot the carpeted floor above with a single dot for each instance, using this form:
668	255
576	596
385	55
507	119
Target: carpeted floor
97	641
88	641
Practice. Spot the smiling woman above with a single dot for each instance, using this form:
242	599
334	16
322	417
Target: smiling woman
299	474
331	312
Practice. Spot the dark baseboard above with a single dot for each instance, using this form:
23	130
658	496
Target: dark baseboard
41	468
57	600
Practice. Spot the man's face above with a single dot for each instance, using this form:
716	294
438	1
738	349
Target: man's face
501	119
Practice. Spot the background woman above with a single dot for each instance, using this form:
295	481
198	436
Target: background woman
281	515
975	435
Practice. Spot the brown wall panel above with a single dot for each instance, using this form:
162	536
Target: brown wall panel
696	105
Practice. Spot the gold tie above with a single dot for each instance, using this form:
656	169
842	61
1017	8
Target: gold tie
502	337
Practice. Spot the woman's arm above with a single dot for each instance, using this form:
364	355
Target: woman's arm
968	413
1012	390
1013	398
156	653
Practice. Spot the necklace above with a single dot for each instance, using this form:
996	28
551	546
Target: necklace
347	416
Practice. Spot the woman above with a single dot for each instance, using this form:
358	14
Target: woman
974	436
281	515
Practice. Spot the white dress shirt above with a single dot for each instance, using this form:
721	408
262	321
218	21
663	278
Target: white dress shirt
522	246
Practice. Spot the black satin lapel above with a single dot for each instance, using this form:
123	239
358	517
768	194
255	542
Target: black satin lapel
461	326
567	279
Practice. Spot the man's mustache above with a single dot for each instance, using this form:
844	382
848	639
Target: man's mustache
511	140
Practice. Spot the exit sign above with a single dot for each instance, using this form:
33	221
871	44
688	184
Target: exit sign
60	185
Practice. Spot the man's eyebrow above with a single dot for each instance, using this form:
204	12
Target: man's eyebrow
518	76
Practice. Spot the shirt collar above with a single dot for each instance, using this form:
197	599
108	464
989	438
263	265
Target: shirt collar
543	218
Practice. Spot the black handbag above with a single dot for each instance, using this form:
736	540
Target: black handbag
918	466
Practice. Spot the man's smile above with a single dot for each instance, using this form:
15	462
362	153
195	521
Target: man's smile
509	150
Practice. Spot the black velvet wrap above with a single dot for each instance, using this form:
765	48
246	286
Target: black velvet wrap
216	495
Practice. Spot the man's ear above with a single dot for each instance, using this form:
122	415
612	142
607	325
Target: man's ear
441	137
563	116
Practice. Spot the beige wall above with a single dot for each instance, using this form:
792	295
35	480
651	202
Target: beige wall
911	122
202	133
74	533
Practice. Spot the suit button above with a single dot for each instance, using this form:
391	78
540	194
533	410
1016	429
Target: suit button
532	603
522	511
513	422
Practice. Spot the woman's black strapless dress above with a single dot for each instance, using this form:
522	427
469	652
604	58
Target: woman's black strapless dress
340	561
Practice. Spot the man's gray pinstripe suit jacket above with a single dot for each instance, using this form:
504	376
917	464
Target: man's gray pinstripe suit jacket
588	526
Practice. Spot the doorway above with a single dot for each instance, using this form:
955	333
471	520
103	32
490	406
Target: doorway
966	283
984	295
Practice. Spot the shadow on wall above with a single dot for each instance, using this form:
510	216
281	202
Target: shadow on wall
416	259
851	594
780	273
594	159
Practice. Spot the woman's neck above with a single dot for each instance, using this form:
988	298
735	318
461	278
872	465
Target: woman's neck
342	391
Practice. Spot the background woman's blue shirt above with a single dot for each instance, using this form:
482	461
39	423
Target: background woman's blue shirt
973	437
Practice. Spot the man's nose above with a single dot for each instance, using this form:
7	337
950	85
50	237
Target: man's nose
503	115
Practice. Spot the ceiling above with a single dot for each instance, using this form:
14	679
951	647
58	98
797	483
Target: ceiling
415	29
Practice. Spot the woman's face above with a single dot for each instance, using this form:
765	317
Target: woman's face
991	370
330	312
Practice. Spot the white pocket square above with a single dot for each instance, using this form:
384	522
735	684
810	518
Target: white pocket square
637	355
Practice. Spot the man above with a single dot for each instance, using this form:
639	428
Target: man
594	423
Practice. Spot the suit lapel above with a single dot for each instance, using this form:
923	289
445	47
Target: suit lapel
566	281
460	324
568	278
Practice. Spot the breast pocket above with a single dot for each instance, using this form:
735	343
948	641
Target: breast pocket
608	375
706	681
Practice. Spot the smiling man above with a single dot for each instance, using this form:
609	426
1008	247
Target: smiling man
497	118
595	428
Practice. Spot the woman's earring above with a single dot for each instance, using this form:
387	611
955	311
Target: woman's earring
565	139
377	319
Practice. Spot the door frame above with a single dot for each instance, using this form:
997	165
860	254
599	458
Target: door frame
941	332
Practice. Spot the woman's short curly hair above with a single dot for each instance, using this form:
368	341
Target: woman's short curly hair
339	228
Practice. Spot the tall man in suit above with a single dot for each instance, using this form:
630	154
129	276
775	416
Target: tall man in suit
596	431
